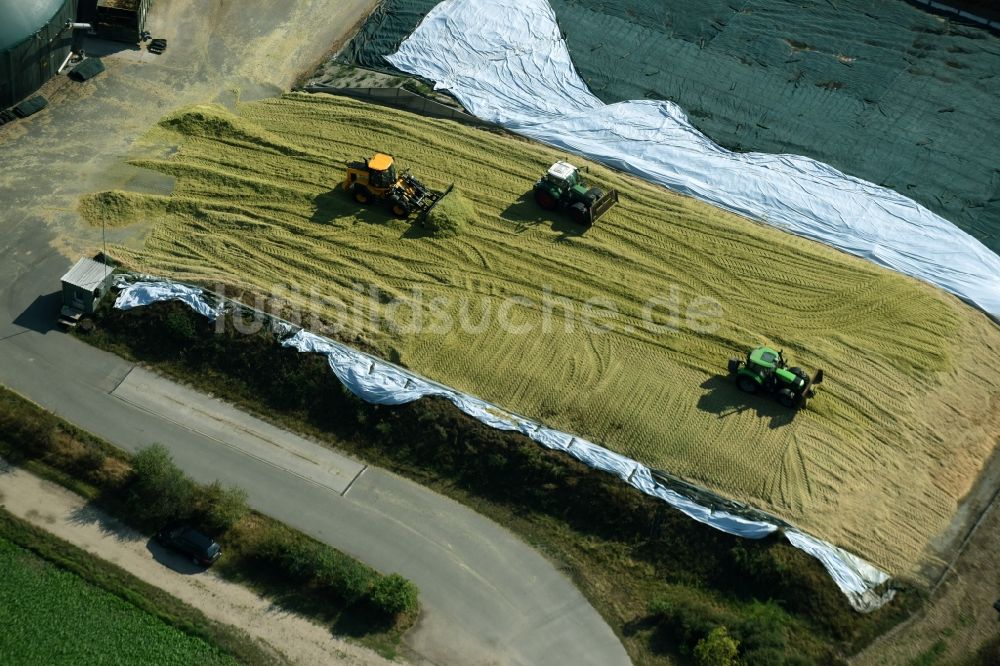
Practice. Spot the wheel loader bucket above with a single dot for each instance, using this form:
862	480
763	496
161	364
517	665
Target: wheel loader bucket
437	199
603	205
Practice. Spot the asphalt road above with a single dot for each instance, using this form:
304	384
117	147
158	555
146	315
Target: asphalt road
488	597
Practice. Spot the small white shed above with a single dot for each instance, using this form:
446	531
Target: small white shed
84	286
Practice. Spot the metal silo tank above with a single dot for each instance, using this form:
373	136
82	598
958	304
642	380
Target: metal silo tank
34	40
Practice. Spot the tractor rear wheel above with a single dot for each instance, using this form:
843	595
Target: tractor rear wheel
545	199
361	194
747	385
800	373
788	399
578	213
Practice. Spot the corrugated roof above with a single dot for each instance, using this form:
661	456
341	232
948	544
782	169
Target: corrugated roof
87	274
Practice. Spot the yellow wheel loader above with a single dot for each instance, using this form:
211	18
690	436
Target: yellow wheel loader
376	179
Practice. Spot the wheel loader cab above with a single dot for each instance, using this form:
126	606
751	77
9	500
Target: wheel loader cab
381	171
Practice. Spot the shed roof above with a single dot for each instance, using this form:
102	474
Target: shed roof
87	274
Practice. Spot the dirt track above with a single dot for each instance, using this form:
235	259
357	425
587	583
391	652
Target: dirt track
69	517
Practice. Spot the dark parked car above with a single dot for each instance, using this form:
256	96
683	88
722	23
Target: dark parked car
186	539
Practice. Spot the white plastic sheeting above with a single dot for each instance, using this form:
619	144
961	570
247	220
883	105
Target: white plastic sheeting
144	292
380	382
506	62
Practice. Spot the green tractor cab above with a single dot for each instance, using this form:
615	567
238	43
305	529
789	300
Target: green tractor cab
765	370
563	188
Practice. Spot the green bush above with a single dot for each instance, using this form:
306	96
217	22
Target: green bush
762	628
300	559
91	460
287	553
717	649
221	508
686	615
179	327
393	596
158	491
313	563
343	576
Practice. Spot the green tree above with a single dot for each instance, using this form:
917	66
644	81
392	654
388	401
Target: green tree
159	491
717	649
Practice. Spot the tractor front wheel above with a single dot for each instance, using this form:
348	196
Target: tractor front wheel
361	194
578	213
788	399
545	199
747	385
734	365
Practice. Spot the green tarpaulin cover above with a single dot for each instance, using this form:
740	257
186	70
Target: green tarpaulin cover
882	91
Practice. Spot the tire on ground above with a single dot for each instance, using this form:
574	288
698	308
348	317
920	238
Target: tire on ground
787	398
361	194
400	208
578	213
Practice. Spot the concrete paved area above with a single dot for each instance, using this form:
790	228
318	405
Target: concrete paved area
488	597
239	431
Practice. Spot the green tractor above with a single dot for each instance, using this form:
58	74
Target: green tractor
765	371
563	188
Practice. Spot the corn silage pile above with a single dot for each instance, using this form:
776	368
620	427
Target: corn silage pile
876	464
